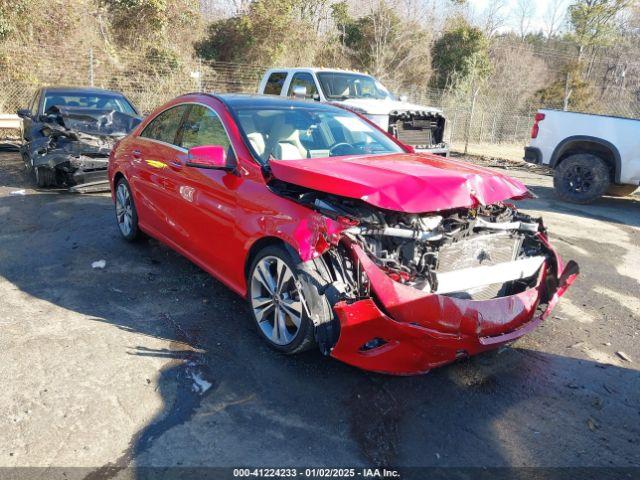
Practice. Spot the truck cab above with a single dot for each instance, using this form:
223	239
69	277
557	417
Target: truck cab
419	126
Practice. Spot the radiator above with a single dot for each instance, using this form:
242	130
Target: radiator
480	250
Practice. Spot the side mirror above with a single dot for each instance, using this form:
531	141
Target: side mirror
213	157
299	92
24	113
316	97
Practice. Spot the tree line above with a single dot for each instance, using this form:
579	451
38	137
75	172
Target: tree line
583	58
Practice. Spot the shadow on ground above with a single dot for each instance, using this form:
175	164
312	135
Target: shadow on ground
229	400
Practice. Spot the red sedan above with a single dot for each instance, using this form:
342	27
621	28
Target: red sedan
337	234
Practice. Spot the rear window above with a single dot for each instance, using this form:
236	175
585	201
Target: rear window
275	83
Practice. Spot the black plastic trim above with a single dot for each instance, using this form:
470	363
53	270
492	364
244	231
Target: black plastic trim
533	155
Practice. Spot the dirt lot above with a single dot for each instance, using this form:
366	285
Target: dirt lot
151	362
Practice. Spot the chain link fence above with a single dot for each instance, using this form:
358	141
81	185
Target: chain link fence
482	125
148	81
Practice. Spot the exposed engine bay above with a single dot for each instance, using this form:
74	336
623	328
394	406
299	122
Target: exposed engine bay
470	253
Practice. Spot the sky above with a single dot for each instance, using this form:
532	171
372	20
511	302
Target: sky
537	21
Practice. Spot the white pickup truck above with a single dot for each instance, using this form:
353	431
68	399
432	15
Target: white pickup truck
415	125
592	155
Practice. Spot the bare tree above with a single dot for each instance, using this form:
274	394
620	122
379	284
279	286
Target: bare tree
493	17
317	13
554	17
394	49
523	12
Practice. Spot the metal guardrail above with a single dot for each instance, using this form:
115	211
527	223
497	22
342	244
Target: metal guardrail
9	121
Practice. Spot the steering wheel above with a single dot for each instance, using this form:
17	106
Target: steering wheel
342	148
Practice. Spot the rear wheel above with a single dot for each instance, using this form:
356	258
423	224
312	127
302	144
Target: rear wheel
285	294
581	178
621	190
126	213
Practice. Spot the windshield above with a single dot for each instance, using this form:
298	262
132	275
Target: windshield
93	101
342	86
293	134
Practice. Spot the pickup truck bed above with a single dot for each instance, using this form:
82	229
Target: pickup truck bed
592	155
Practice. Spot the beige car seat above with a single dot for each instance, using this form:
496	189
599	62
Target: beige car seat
284	142
257	142
291	148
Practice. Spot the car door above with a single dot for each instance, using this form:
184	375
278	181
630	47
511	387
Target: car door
153	154
207	197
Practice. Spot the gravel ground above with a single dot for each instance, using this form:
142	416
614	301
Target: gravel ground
150	362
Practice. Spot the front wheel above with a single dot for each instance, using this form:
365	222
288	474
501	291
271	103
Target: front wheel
44	176
581	178
621	190
284	294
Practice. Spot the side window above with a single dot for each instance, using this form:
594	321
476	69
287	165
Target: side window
275	83
165	126
203	127
303	80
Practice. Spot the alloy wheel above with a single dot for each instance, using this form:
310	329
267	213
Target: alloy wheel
276	300
579	179
124	209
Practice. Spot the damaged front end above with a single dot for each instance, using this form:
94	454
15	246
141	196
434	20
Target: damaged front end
71	146
423	130
415	291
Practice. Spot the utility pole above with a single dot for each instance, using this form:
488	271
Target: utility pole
91	67
474	91
567	93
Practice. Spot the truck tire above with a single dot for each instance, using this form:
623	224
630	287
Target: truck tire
621	190
581	178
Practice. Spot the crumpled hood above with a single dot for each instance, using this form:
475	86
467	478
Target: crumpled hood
92	121
410	183
384	107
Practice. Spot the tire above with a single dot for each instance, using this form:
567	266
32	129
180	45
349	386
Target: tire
126	213
581	178
44	176
271	310
621	190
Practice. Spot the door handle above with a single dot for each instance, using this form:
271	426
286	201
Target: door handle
176	163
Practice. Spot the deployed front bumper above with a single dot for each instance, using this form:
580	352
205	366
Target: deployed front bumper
413	331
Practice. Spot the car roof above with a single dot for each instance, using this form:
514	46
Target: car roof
80	90
271	101
316	69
